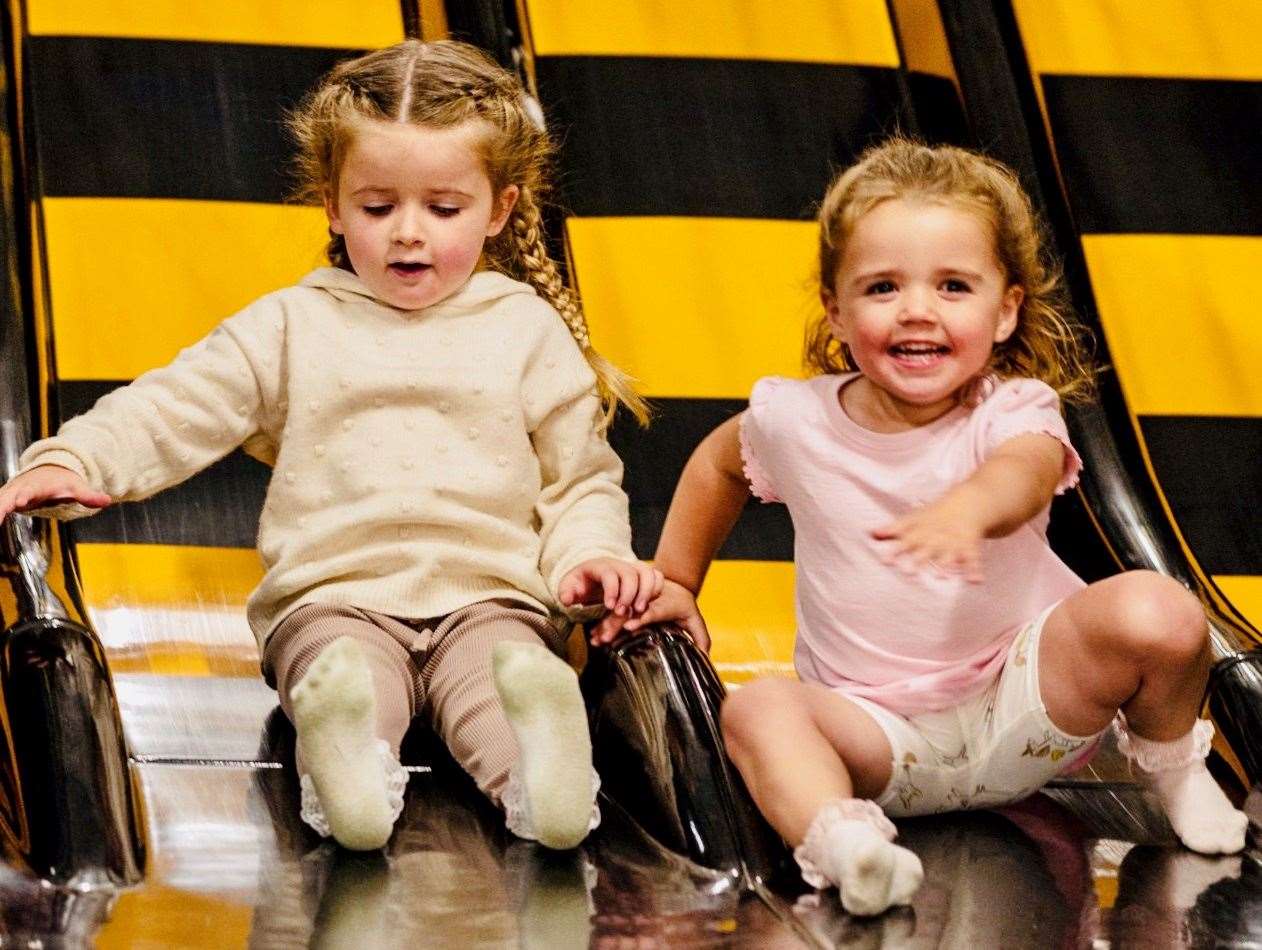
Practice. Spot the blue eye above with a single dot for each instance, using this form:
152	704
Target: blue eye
954	286
880	287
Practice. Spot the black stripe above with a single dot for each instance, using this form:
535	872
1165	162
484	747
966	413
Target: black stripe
128	118
655	458
939	112
1158	155
711	137
1210	469
220	506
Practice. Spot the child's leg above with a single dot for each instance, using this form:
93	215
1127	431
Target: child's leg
1138	642
345	685
805	753
512	715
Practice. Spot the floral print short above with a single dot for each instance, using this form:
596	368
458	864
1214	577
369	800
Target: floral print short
996	747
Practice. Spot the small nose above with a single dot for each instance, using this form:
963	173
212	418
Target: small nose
407	227
917	306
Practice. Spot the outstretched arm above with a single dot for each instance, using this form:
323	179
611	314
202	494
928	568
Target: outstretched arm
1006	491
708	500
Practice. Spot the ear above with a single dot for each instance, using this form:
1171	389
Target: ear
330	212
1009	311
504	204
832	313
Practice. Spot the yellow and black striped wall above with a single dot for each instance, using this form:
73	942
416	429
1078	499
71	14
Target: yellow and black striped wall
160	163
1155	115
697	138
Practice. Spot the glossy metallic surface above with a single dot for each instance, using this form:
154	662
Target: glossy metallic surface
67	807
654	706
230	866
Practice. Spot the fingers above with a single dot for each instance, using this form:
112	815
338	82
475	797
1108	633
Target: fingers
575	588
49	485
696	629
607	630
942	556
630	587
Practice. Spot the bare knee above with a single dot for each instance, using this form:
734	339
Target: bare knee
1158	621
749	714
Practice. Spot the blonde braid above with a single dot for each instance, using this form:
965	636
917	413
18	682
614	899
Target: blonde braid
541	272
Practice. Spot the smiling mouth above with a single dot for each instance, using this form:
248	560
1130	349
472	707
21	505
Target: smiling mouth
918	353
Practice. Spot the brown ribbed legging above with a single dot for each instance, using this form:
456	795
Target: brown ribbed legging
439	668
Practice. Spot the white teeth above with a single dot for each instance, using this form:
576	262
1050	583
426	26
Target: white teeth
918	348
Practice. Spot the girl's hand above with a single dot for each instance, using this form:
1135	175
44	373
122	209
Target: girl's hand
47	485
624	588
943	536
676	604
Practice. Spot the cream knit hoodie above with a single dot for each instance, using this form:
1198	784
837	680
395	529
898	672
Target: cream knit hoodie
423	460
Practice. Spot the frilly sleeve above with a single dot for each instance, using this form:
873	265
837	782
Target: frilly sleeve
1027	406
756	427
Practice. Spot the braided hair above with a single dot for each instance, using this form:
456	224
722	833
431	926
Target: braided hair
441	85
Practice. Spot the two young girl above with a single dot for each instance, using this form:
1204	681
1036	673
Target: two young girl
442	486
948	658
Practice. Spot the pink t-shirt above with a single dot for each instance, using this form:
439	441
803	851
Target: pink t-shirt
913	643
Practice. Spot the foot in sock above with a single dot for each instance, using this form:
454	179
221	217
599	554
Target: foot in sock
551	793
849	846
1198	810
335	716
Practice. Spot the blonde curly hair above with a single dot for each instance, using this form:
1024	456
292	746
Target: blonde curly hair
440	85
1049	343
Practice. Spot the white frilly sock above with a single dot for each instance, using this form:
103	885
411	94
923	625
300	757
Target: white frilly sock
1198	810
353	786
850	844
551	792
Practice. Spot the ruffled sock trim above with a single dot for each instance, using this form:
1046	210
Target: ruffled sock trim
312	812
1152	756
517	809
826	820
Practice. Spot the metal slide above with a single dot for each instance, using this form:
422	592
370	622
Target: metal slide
144	768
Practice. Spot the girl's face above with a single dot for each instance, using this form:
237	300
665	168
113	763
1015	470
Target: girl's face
920	298
415	207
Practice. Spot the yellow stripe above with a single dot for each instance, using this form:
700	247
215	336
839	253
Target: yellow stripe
696	307
172	610
159	274
157	916
1245	594
334	23
855	32
748	608
153	575
1183	338
1190	38
923	37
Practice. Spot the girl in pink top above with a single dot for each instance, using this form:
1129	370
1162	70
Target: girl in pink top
948	658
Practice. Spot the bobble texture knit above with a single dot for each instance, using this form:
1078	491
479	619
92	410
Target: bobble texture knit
423	460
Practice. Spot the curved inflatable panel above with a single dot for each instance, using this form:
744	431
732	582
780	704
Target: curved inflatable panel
654	705
68	805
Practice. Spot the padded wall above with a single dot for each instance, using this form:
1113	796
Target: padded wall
1155	114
